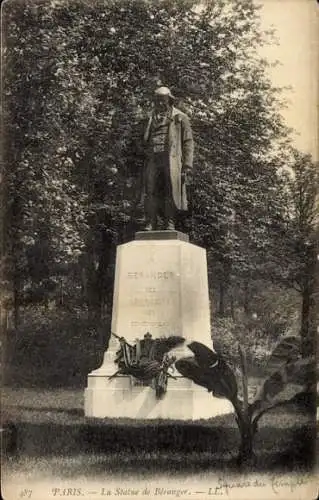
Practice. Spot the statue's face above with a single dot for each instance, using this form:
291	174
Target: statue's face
161	103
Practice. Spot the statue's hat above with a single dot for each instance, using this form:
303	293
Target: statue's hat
164	91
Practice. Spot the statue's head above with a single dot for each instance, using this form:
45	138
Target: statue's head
163	98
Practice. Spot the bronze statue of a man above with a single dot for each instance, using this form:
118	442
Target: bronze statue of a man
169	146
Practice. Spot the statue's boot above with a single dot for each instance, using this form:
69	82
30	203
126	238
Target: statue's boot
151	225
169	213
150	207
169	225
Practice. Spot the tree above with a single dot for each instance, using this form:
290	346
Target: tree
302	181
79	76
45	220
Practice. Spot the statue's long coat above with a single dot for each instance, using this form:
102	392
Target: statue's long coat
181	147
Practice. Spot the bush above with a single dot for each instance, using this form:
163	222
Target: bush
54	348
252	335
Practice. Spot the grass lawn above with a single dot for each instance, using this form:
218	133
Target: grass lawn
52	436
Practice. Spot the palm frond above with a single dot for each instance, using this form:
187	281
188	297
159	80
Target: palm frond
275	390
205	356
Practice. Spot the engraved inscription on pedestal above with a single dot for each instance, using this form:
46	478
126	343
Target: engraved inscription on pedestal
147	292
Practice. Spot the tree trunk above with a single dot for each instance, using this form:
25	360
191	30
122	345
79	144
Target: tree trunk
246	454
232	306
103	282
16	303
308	308
246	298
308	330
91	288
98	277
221	308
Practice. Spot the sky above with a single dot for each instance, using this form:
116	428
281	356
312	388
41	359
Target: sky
297	27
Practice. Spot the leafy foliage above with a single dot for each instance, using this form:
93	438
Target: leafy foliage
290	375
300	250
209	370
78	80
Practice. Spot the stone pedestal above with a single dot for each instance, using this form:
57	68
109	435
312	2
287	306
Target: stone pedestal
161	287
